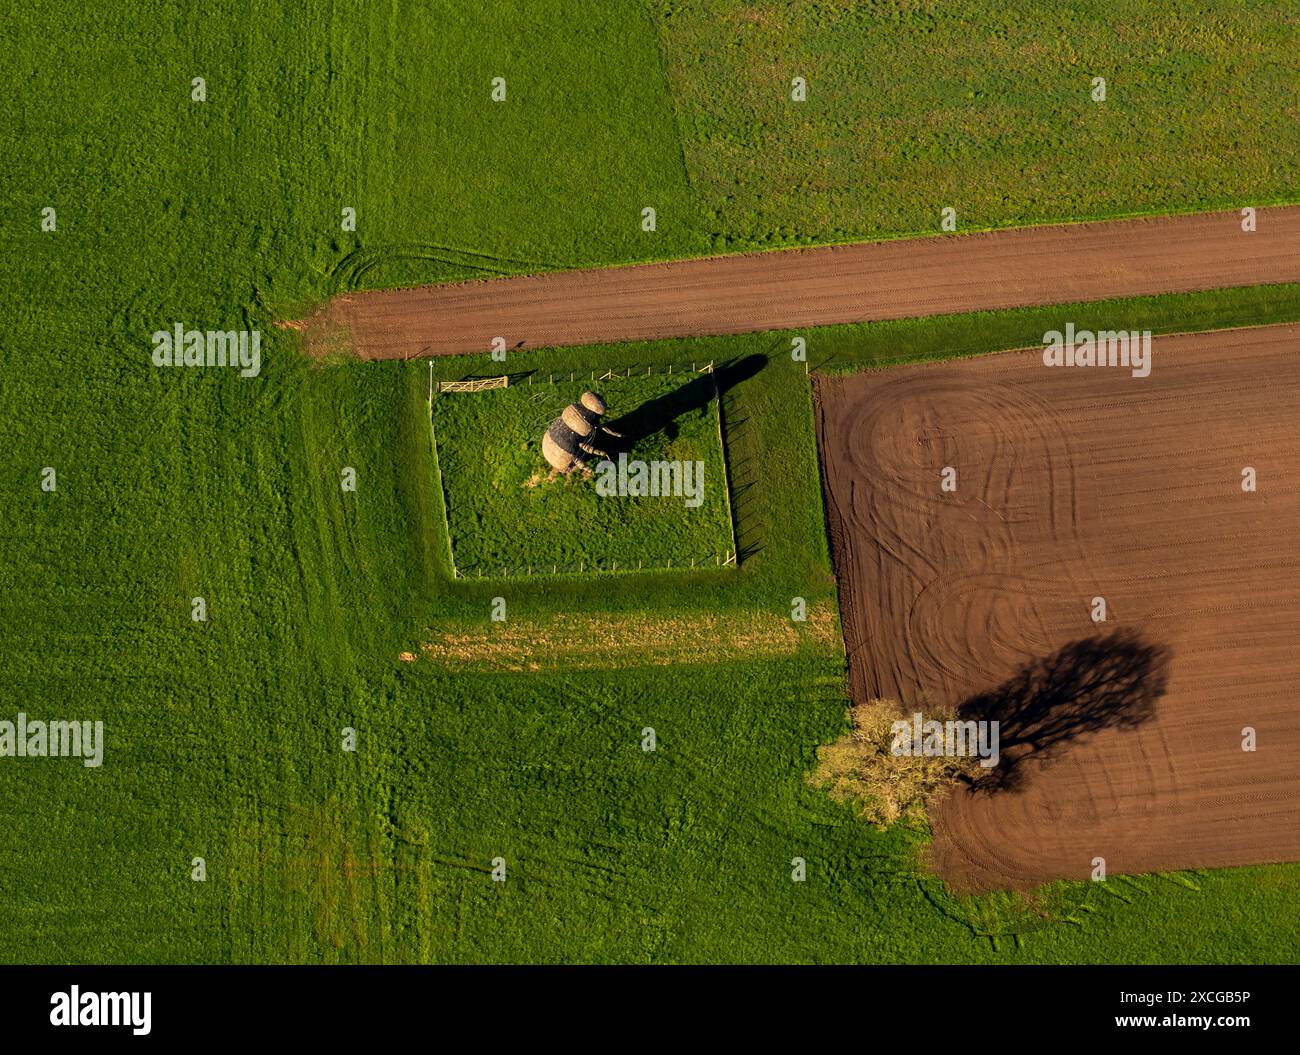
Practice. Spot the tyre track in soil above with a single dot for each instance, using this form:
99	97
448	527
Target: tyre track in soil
793	288
1122	487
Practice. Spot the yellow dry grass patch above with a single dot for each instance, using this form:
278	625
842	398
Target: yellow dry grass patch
584	641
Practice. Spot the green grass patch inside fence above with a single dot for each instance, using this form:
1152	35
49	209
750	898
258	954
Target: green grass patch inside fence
509	514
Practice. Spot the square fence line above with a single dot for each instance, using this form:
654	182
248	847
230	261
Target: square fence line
717	560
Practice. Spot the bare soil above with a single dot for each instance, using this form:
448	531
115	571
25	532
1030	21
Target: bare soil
815	287
1121	740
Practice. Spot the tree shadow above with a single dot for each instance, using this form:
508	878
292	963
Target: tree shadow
1107	682
661	413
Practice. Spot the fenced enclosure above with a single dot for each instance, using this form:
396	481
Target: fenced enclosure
508	516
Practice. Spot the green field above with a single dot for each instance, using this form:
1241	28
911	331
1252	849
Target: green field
223	736
986	109
509	515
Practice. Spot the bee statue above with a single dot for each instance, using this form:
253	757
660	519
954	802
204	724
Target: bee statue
577	436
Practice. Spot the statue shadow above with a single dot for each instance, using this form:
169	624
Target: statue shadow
661	413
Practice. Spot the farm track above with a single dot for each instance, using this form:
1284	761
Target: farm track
1072	484
793	288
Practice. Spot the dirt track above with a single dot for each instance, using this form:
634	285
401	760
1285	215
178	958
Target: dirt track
1076	483
816	287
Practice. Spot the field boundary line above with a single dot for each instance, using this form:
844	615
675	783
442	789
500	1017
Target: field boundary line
944	356
726	472
442	490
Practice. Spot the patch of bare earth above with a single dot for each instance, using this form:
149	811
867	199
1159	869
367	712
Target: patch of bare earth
1121	740
790	288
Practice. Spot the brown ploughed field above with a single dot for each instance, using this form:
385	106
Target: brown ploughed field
793	288
1121	739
